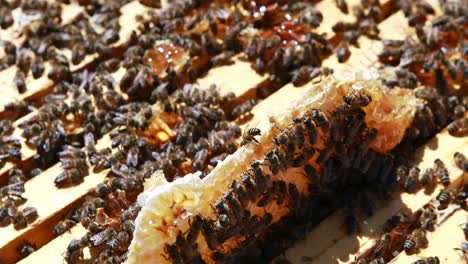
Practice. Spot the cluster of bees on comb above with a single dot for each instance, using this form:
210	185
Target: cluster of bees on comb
134	110
331	144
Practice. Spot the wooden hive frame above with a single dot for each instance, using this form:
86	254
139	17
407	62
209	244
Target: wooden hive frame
336	245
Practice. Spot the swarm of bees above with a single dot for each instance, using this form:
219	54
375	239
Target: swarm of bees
340	132
408	232
84	106
10	198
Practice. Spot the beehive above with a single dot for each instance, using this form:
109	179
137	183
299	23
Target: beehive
241	79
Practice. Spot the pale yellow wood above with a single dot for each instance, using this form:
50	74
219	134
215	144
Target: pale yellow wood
52	253
273	104
331	15
238	77
442	242
10	92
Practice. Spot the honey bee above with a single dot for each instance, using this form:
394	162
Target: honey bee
294	194
78	53
71	152
97	156
256	225
298	131
103	189
234	205
428	260
117	242
415	240
93	226
394	220
118	184
230	40
6	213
224	58
267	197
223	222
128	226
321	119
63	226
69	163
428	218
460	198
26	249
7	20
261	179
249	135
172	254
77	244
384	244
273	162
326	153
30	213
200	159
130	213
342	26
441	172
210	235
103	236
401	173
127	78
301	159
194	230
69	177
342	51
16	189
37	69
302	75
243	109
459	127
357	99
342	6
461	161
411	182
428	178
289	57
250	187
459	111
73	256
311	130
444	198
19	220
251	49
20	82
